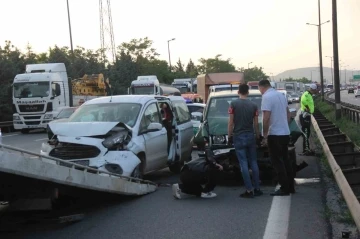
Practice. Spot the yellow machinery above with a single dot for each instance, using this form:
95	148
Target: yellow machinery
92	85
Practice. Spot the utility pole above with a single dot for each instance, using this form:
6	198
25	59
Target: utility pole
332	73
320	56
169	51
72	54
336	61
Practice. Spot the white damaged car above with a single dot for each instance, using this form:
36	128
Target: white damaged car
124	134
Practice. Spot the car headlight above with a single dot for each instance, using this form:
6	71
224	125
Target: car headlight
48	116
115	140
16	117
219	139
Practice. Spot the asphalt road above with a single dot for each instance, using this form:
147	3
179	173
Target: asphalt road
347	98
159	215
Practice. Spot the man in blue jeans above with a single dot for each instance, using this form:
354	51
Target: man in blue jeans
243	121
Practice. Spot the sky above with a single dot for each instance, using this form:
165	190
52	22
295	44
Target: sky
269	33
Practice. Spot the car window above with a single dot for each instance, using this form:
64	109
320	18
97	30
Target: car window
151	115
107	112
181	112
193	108
65	113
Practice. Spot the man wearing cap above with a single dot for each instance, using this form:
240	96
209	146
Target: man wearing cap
307	108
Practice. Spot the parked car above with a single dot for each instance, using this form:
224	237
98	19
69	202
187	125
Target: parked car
357	93
213	130
62	116
124	134
350	90
294	98
196	110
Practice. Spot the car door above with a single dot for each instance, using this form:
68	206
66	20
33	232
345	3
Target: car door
184	129
155	142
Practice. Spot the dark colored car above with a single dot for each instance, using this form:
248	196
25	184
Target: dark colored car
351	90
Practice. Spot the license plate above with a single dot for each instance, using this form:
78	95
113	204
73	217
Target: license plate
32	126
222	151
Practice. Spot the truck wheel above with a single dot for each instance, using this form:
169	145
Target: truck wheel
24	131
139	170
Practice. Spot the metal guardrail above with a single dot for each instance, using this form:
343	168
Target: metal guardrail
339	150
350	111
73	165
6	123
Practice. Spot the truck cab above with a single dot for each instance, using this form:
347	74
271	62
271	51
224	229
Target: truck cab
38	94
145	85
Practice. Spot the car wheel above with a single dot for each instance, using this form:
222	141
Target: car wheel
139	170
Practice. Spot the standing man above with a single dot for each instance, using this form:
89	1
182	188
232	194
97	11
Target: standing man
276	117
243	121
307	108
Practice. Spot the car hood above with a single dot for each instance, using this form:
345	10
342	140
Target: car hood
219	126
78	129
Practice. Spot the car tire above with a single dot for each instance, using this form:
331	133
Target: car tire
139	169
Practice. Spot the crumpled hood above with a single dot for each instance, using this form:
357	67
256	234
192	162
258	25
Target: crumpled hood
78	129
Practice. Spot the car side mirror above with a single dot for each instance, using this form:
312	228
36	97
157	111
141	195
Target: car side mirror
154	127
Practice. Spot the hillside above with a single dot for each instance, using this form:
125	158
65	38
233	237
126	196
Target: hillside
306	72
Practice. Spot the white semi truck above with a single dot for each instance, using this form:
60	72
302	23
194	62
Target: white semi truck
150	85
185	85
38	94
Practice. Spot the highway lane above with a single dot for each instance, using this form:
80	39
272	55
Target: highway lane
347	98
159	215
31	142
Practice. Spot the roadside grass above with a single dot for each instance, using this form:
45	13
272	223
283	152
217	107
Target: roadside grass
352	130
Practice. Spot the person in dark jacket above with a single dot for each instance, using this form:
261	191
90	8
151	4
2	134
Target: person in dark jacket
196	173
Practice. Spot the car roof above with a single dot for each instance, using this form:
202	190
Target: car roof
141	99
232	93
196	104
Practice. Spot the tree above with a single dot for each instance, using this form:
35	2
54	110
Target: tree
179	67
191	69
215	65
253	74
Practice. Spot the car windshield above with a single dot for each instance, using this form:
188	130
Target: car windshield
294	95
31	89
217	114
65	113
107	112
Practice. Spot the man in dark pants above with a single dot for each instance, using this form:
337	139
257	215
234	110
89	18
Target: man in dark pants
307	108
196	173
276	117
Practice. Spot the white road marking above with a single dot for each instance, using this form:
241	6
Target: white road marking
9	135
278	221
41	139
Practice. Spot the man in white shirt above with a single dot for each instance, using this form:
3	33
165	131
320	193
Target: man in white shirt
276	117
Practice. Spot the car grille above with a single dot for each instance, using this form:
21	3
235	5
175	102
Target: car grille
71	151
31	108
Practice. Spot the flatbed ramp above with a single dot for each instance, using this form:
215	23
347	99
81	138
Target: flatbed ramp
27	164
